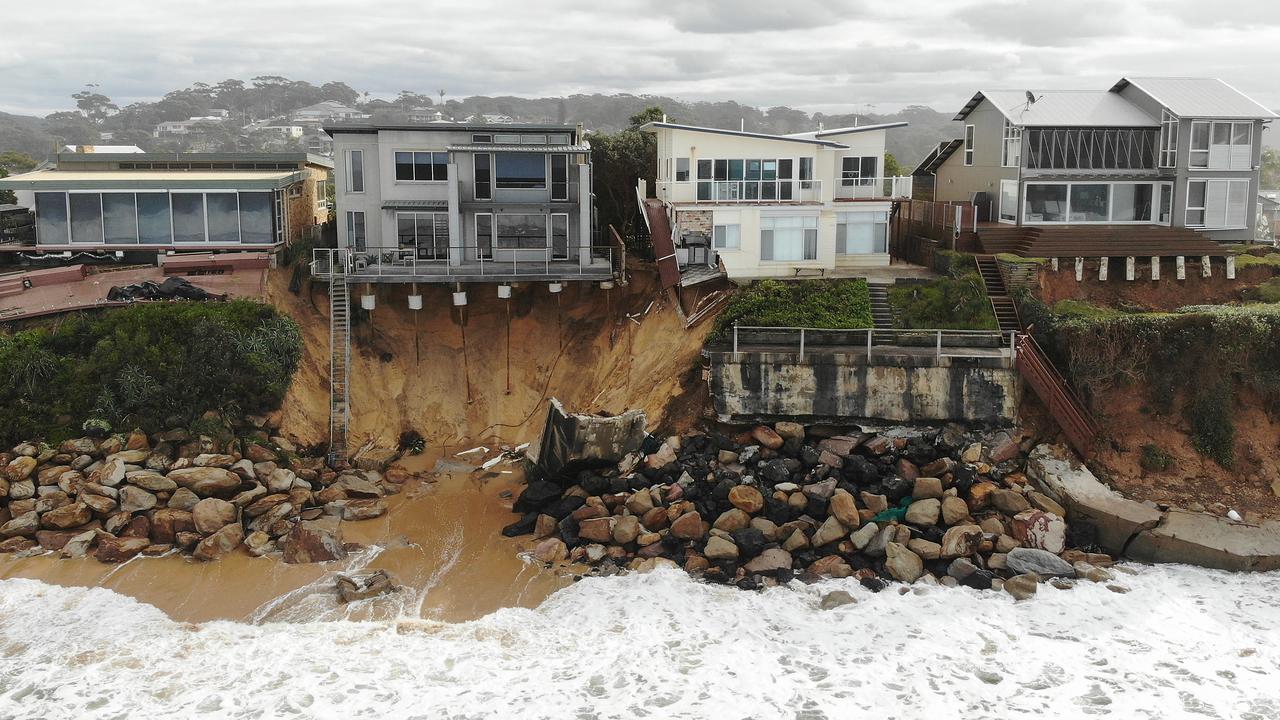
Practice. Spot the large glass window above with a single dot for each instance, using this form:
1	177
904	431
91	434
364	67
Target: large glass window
1045	203
1011	155
860	233
427	233
119	219
559	177
522	232
559	236
1132	202
858	171
255	217
968	144
789	238
86	217
1090	148
521	171
484	235
1217	203
422	166
682	169
355	231
51	218
1221	145
154	224
1168	139
355	171
224	217
188	217
1009	200
1089	203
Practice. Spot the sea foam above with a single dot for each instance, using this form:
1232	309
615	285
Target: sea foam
1184	642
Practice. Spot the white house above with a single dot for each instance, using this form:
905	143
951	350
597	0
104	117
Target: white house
761	205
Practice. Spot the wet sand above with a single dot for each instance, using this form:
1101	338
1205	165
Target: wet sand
440	539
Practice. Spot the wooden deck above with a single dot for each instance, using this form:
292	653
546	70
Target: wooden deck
1094	241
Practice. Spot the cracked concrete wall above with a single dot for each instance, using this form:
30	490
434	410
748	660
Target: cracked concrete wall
829	388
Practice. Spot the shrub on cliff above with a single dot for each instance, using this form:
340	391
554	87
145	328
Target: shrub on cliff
951	303
145	365
806	303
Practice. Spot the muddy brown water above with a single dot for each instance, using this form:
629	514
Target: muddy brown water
440	539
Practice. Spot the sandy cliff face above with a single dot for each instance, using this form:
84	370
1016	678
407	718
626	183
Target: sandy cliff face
583	347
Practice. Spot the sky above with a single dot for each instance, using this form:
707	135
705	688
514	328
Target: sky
827	55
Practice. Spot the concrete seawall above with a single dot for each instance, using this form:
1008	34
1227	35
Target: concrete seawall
827	387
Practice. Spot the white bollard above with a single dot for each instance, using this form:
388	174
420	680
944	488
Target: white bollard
555	287
1129	268
460	298
1182	268
1155	268
415	302
1053	263
1206	267
368	302
1231	267
1079	269
504	292
1103	264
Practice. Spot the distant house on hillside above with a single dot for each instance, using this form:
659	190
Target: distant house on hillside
1150	151
155	203
760	205
326	111
185	127
102	149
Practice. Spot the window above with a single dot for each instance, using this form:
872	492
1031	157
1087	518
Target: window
968	145
1089	202
1221	145
1012	153
355	171
861	233
484	235
521	171
558	139
483	170
422	166
482	138
522	232
155	224
86	217
1045	203
1217	204
858	171
355	231
559	236
507	139
224	217
1168	139
560	177
789	238
255	218
322	194
51	218
427	233
1132	202
1009	201
188	217
806	173
1166	204
727	237
682	169
119	219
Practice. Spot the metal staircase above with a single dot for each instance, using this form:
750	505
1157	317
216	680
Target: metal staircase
339	357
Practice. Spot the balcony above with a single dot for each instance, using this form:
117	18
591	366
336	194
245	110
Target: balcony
469	263
766	192
549	193
881	188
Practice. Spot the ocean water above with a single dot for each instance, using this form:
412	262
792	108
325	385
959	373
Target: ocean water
1184	642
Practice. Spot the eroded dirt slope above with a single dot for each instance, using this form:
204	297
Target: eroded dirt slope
581	347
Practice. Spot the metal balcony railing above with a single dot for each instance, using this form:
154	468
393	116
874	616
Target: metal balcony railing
873	188
939	343
740	191
466	261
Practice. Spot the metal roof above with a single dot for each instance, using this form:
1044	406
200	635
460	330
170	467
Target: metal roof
740	133
154	179
851	130
1198	97
931	162
371	127
13	208
1058	108
490	147
280	157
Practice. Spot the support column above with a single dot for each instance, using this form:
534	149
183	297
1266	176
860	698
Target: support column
1103	265
1079	269
1206	266
1231	267
1182	268
584	215
456	237
1155	268
1129	268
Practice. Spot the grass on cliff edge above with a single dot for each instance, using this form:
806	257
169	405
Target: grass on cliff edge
957	302
833	304
149	365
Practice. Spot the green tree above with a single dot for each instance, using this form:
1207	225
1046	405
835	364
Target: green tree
6	196
13	162
619	161
892	168
95	106
653	113
1270	169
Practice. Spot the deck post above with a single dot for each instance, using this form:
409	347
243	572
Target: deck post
1103	265
735	342
1079	269
869	331
1053	262
938	350
1231	267
1206	266
1129	273
1182	268
801	344
1155	268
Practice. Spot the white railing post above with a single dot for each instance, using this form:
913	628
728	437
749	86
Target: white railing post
801	344
735	341
1013	346
869	333
939	349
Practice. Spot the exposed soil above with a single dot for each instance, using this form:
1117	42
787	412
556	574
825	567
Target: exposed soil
1143	293
599	351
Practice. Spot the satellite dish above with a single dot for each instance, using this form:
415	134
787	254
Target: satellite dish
1031	98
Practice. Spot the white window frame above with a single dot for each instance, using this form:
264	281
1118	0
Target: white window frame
1012	135
352	243
1207	152
809	223
878	217
568	236
854	178
414	164
1208	223
968	145
1169	125
734	229
1111	195
351	175
418	218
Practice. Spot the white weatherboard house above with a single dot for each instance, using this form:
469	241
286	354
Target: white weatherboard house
777	205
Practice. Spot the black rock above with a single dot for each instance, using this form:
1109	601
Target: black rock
621	484
750	542
523	526
594	484
721	492
978	579
815	507
565	505
774	472
860	471
748	583
920	451
777	512
720	442
896	488
640	482
568	531
964	478
933	534
808	456
537	495
874	584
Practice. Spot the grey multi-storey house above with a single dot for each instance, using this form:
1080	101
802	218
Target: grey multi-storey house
1157	151
459	203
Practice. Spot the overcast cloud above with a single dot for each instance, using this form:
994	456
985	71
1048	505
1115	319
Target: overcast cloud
829	55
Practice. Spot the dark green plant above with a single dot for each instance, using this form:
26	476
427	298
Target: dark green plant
1155	458
832	304
949	303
